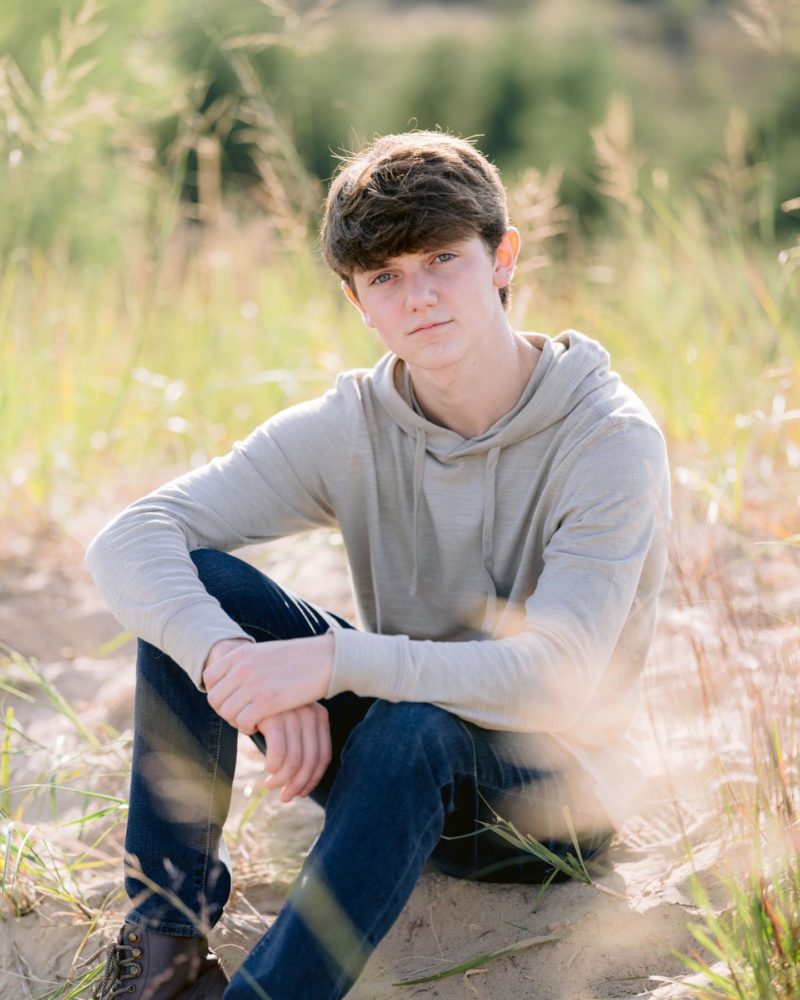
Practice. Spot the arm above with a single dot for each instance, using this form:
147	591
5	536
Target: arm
603	566
272	484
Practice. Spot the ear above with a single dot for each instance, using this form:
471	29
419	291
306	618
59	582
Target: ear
351	296
506	257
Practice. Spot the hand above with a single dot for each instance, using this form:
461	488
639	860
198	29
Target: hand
298	749
250	682
298	740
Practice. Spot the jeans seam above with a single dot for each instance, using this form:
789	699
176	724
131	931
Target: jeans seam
201	884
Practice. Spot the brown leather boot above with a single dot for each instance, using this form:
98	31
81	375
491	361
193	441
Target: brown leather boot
160	967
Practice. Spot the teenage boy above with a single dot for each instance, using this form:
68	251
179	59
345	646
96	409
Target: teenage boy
503	500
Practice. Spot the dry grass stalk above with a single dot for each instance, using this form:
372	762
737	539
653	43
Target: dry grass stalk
618	162
772	24
537	211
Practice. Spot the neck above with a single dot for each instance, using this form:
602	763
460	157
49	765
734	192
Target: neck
470	398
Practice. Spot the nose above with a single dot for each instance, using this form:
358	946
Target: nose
420	291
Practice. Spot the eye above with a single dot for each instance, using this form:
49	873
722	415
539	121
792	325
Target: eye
381	279
442	258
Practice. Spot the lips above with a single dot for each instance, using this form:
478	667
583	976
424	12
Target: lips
428	326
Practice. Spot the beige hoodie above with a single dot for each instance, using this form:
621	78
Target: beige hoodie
511	579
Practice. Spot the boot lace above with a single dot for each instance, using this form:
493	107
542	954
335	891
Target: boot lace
120	966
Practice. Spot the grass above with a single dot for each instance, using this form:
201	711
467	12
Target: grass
748	913
63	808
756	939
57	807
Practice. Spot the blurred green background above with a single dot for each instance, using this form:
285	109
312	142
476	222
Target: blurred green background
162	166
104	93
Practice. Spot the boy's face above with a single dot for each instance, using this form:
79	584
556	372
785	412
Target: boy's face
436	307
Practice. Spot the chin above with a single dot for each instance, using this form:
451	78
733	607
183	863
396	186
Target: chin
434	360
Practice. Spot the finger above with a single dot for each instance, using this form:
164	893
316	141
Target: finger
234	709
220	690
274	730
325	750
293	755
310	743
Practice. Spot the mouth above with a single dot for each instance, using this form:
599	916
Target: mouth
425	327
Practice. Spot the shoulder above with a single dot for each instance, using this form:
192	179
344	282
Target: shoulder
613	442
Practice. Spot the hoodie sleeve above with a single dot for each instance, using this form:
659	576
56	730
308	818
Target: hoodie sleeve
603	567
274	483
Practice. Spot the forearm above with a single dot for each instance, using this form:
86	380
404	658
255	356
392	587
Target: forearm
521	684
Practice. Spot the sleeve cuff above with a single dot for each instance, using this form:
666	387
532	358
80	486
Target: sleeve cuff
191	632
367	664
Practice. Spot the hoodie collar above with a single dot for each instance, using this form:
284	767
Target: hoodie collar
571	366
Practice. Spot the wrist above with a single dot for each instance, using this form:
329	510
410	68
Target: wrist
221	648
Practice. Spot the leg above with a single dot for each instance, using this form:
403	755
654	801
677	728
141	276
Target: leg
184	757
409	774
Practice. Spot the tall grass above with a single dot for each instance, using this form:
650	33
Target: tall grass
749	918
181	326
739	674
63	808
169	357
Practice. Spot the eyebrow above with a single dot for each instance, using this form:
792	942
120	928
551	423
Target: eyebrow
445	247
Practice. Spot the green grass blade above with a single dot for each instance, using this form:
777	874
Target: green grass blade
114	643
574	838
532	846
474	963
98	814
6	857
5	765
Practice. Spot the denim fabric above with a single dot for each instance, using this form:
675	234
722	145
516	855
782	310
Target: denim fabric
408	782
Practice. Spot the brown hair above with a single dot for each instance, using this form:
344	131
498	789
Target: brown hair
407	193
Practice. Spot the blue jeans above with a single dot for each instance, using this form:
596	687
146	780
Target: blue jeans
407	783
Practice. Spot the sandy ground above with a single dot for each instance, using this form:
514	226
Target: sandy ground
613	939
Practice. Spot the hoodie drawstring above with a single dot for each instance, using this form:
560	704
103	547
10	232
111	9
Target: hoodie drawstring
419	473
487	531
487	535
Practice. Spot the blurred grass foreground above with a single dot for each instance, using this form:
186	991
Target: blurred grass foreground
161	172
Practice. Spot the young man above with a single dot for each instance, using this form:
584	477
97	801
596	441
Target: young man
503	500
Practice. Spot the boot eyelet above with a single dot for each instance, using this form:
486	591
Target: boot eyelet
133	936
137	952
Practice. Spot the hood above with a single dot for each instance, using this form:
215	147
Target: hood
571	367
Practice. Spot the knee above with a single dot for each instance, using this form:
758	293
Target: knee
214	567
262	608
404	734
227	577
